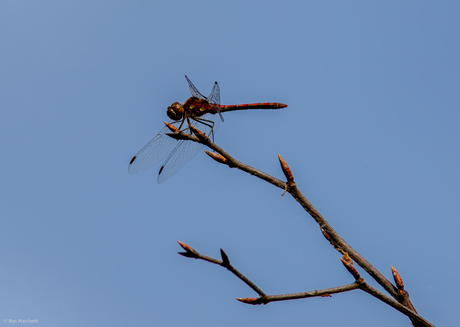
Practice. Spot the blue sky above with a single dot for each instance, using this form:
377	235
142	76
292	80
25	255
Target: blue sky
371	134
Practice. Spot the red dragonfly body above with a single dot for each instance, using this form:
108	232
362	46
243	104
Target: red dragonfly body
197	111
198	107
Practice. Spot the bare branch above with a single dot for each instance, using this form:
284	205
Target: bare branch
399	305
292	189
224	263
416	319
264	298
404	305
318	293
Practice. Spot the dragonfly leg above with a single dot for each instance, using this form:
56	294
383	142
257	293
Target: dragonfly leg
182	122
189	123
208	123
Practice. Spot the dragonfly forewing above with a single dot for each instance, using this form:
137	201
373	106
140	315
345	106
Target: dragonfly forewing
183	153
186	150
194	91
153	152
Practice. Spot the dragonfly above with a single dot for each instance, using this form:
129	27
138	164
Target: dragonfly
198	111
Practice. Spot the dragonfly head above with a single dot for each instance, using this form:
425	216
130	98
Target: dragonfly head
175	111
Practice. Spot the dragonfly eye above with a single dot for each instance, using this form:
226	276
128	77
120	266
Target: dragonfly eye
175	111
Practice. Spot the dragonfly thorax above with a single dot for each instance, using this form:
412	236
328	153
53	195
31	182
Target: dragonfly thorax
192	107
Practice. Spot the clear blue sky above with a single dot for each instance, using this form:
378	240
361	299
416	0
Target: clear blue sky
371	134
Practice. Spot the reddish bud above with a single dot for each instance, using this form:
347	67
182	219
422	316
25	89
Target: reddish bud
190	251
171	127
326	235
348	263
326	295
347	258
397	278
251	300
217	157
184	246
286	170
198	133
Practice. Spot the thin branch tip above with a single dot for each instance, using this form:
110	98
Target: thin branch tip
225	260
189	251
172	128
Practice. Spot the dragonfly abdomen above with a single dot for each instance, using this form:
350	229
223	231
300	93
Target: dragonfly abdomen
262	105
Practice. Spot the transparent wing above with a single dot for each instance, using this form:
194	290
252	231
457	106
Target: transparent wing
186	150
183	153
153	152
194	91
214	98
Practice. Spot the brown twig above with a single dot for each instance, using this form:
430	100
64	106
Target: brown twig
415	318
192	253
263	298
335	239
330	234
403	295
409	311
327	292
